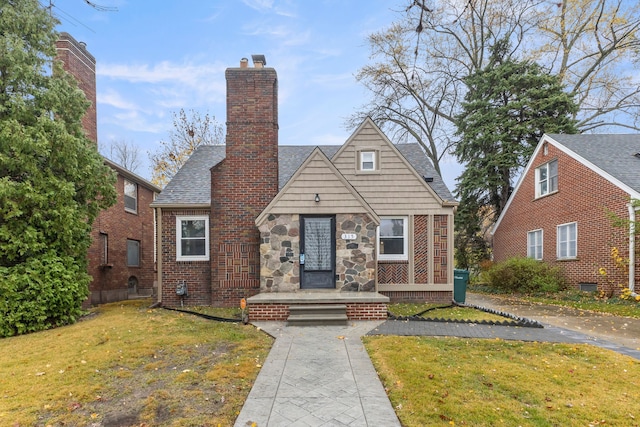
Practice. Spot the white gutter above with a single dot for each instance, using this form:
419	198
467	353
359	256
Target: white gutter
632	247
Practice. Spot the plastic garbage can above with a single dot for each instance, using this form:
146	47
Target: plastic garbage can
460	280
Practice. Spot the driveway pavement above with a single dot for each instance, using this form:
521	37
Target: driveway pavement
621	331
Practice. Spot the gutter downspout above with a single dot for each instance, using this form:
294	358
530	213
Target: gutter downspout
159	251
632	247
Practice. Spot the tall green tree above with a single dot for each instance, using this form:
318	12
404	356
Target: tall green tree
509	106
53	182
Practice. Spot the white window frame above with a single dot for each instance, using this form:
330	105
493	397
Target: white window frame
568	243
371	153
550	182
535	241
179	256
134	197
395	257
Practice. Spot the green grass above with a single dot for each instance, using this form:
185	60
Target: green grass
575	299
451	381
126	364
437	311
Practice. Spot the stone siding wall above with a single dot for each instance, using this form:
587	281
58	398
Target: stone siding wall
280	252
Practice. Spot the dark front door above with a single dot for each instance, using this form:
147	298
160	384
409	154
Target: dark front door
318	252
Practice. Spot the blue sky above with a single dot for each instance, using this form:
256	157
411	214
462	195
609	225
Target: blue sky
154	58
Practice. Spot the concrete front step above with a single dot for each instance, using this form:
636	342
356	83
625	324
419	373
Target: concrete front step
317	314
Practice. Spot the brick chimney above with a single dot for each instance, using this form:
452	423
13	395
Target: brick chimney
78	62
245	182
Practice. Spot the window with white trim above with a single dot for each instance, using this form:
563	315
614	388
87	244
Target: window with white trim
567	240
393	238
367	160
547	178
130	196
192	238
534	244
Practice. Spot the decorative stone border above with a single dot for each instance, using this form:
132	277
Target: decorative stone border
514	320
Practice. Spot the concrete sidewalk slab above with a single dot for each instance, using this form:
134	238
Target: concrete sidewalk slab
317	376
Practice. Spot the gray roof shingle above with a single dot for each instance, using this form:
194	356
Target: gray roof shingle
615	154
192	184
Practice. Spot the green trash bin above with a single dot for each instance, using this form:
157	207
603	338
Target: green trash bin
460	280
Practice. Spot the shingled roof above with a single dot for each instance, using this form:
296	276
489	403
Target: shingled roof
191	186
617	155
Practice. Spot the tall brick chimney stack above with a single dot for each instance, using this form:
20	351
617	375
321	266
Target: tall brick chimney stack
81	64
245	182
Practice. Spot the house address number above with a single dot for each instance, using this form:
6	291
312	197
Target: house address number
349	236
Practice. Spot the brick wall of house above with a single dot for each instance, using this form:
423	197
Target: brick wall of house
112	279
195	274
77	61
244	183
583	197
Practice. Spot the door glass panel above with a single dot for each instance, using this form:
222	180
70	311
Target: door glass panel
317	244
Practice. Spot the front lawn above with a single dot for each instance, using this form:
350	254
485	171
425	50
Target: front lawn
448	312
452	381
126	364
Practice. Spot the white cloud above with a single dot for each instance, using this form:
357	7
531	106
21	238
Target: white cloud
114	99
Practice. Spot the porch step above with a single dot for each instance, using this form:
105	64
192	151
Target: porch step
317	314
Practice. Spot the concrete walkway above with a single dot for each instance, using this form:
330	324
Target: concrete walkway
317	376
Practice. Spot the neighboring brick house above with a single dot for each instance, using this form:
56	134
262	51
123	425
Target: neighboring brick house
560	209
122	253
361	223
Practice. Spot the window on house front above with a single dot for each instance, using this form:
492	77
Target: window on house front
534	244
392	239
547	178
367	160
130	196
567	240
192	234
133	253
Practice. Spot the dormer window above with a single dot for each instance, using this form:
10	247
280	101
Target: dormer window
367	160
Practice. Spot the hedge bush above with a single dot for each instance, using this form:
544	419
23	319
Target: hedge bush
526	276
41	293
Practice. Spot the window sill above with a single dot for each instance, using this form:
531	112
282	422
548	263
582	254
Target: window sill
567	259
545	195
105	266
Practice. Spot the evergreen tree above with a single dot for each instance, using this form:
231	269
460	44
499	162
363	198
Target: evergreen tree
53	182
508	107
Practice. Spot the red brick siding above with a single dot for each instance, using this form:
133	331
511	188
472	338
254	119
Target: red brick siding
196	274
421	248
419	296
244	183
111	283
355	311
583	197
393	272
440	248
367	311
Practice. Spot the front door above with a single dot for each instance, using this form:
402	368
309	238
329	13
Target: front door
318	252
